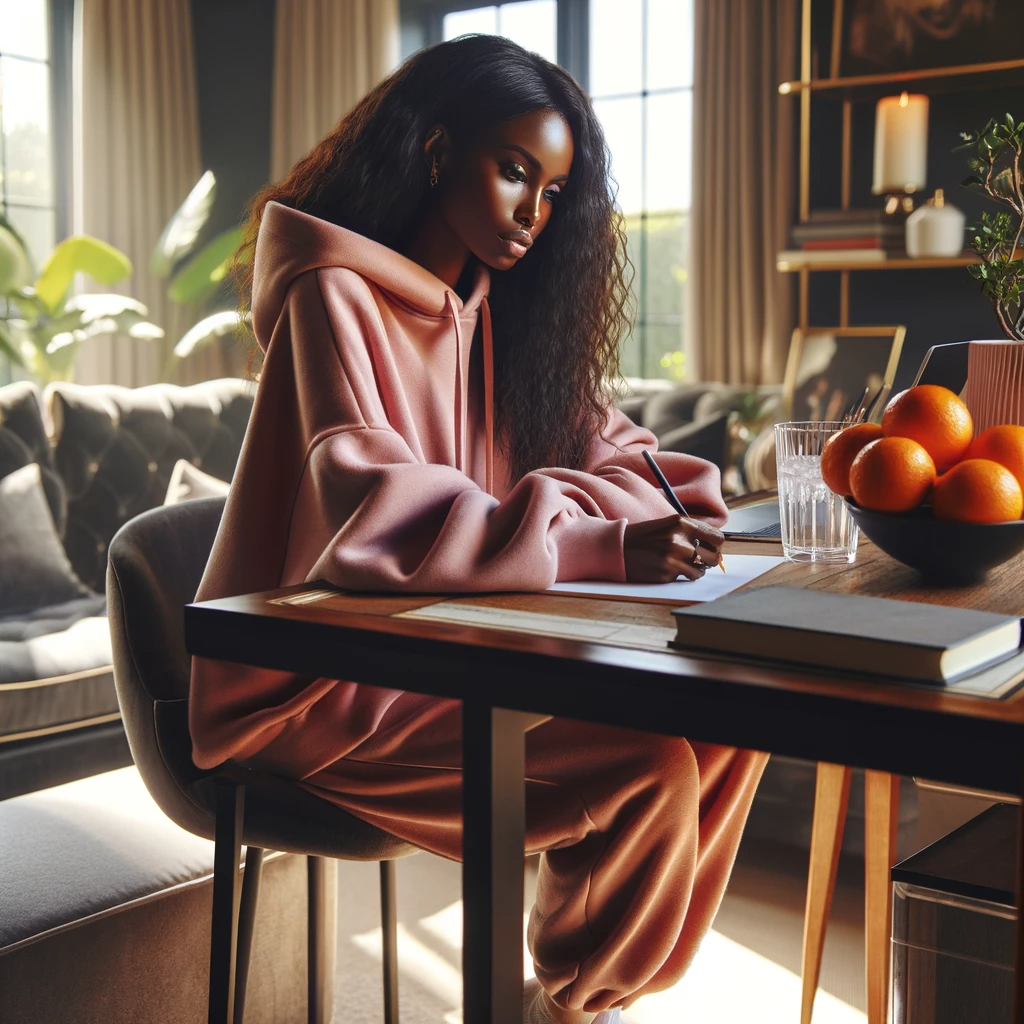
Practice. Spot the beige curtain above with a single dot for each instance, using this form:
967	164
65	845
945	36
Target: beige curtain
327	55
743	185
137	158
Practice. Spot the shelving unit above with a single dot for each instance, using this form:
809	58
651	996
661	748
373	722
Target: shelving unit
848	91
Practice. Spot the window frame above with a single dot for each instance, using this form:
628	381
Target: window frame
60	34
573	27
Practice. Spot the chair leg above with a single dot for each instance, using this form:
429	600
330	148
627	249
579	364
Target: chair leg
246	923
316	875
881	822
831	797
389	932
230	809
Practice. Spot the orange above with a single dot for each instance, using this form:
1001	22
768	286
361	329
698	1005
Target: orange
892	474
1003	444
935	418
840	451
978	491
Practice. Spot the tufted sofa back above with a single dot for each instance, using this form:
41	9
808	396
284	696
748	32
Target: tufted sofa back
23	440
115	448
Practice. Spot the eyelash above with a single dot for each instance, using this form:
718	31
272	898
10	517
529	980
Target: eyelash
515	172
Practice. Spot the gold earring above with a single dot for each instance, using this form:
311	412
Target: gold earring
433	174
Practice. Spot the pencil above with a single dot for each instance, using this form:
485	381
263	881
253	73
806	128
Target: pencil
671	495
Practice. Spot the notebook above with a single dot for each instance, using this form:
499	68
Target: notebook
874	635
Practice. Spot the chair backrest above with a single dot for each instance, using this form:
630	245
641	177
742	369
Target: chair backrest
156	563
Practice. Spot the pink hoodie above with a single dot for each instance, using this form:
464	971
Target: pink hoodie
370	463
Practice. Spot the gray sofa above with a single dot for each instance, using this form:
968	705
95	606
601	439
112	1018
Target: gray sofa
104	454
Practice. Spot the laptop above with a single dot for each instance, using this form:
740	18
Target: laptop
945	365
760	519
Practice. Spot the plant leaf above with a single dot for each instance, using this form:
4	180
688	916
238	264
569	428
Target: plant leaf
214	326
201	276
9	345
181	231
80	254
15	268
92	305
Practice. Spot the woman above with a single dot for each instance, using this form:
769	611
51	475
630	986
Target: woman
438	288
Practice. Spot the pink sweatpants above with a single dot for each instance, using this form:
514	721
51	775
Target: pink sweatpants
638	832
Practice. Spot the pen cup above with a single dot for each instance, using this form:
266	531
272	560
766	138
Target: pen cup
816	526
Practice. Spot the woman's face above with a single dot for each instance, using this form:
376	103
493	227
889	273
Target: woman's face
498	195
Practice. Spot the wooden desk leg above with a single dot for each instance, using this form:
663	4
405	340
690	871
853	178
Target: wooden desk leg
493	843
831	797
1018	988
881	818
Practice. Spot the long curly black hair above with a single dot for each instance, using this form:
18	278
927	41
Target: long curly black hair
560	313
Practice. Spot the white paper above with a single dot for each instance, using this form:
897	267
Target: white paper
623	634
714	583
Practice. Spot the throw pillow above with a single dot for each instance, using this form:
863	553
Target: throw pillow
187	483
23	440
34	571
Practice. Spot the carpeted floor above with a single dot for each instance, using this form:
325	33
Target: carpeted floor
747	969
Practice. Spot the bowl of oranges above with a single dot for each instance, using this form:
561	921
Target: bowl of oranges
927	491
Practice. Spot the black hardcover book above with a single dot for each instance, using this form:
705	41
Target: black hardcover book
849	632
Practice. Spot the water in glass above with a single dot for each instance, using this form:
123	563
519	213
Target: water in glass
816	526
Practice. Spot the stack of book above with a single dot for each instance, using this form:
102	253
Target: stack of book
846	235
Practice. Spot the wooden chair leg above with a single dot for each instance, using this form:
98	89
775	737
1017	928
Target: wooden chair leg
831	798
316	876
389	931
230	809
246	924
881	818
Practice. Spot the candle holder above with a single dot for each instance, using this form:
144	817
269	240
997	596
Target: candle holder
901	152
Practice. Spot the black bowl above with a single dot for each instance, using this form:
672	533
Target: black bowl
943	552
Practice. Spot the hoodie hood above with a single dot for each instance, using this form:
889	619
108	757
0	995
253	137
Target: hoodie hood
290	243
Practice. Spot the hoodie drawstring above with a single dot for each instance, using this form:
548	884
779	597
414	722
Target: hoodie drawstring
460	391
485	313
461	412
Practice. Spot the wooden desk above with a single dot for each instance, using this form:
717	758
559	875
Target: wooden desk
509	681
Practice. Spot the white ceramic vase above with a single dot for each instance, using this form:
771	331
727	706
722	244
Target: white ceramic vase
935	229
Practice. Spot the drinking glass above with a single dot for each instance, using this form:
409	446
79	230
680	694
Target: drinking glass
816	526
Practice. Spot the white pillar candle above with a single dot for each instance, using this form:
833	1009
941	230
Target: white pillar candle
901	144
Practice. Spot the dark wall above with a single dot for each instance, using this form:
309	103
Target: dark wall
234	53
936	305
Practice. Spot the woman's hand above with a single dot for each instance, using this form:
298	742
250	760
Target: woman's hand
660	550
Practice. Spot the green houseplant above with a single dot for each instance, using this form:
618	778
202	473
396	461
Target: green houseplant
995	159
196	272
42	325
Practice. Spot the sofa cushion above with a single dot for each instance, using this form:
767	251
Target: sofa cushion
187	483
23	440
55	670
115	449
105	914
34	570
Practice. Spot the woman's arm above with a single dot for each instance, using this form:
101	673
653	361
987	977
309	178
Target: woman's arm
399	523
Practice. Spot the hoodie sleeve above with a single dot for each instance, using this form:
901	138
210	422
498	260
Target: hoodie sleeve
400	523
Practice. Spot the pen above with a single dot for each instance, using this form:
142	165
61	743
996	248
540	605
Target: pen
672	499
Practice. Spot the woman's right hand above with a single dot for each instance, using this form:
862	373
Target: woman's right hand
660	550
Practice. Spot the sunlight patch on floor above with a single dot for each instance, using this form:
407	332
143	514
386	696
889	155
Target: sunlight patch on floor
730	984
727	984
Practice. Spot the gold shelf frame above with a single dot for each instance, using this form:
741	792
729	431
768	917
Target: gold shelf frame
804	88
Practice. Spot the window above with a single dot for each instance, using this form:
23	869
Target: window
641	82
26	139
635	58
530	23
